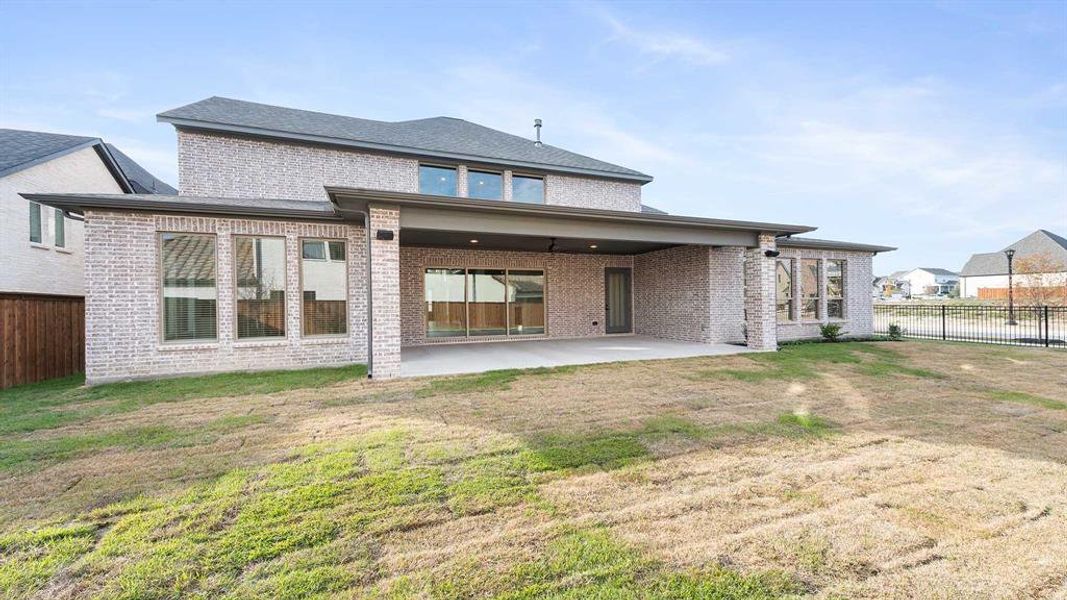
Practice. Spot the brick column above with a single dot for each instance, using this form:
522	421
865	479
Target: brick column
385	292
761	322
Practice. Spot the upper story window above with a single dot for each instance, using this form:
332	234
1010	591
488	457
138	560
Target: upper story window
35	223
525	188
438	181
61	230
485	185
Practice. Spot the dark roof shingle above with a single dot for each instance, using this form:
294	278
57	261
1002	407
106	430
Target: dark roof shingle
1040	242
445	137
141	180
21	149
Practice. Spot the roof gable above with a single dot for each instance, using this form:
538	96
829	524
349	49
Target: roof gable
443	137
23	149
1040	242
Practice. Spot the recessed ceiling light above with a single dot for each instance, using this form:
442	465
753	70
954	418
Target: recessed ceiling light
592	246
474	241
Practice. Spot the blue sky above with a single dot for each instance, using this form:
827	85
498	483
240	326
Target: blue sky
940	127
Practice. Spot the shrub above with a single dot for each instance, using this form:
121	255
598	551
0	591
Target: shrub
830	332
895	332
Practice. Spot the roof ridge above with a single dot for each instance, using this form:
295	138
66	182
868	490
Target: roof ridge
452	138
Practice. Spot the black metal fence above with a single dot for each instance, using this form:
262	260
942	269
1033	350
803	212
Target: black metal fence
1024	326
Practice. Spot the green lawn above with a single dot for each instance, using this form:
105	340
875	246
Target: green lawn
548	483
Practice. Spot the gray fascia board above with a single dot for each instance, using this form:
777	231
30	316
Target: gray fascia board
556	226
360	198
78	204
405	150
52	156
113	166
833	245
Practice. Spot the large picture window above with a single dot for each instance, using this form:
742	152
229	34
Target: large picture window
439	181
481	302
446	306
485	185
809	289
783	277
260	271
526	302
528	189
324	287
189	290
835	289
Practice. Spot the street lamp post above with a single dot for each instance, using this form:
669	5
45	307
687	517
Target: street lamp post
1011	288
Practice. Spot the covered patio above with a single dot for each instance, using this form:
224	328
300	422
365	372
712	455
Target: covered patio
452	359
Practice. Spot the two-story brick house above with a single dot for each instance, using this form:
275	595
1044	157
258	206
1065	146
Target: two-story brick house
303	239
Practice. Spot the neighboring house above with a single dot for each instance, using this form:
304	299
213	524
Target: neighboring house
305	239
928	282
892	286
41	248
1040	261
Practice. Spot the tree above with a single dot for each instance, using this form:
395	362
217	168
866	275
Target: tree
1040	280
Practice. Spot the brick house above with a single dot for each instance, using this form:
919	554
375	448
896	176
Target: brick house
303	239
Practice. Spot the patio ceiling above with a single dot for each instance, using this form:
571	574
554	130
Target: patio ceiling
530	243
454	218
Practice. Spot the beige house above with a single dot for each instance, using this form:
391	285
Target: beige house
303	239
41	248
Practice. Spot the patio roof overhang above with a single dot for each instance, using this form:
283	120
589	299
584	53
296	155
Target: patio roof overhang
442	221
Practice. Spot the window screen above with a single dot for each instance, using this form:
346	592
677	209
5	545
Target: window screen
189	292
260	271
61	229
325	288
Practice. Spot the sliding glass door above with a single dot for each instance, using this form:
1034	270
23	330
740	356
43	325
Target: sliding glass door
484	302
526	302
446	309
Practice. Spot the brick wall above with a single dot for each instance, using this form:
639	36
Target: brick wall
859	305
574	296
123	332
727	280
691	293
227	166
760	319
672	293
211	164
385	292
588	192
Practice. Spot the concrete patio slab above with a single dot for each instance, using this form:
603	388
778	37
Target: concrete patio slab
451	359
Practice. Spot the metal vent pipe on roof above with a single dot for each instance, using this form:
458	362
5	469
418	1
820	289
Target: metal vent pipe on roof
537	129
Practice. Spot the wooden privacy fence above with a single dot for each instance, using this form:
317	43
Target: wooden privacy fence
41	337
1026	295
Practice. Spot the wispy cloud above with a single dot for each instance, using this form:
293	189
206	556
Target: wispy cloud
664	45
